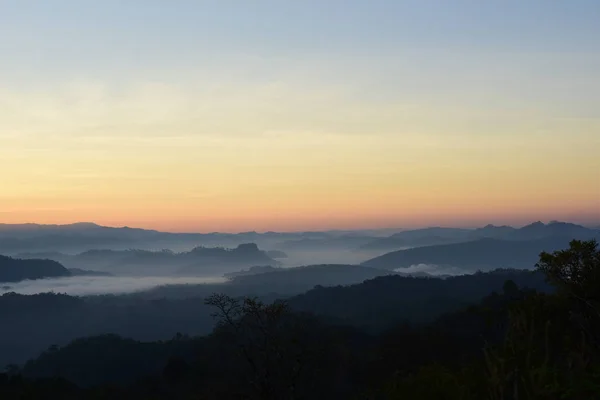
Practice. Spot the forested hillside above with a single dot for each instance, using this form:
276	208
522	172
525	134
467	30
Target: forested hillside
522	341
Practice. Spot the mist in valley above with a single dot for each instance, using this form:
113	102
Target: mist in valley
126	277
98	285
433	270
58	307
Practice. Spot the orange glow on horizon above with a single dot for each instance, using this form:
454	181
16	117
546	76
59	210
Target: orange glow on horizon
287	156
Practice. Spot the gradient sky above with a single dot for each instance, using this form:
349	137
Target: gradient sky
291	115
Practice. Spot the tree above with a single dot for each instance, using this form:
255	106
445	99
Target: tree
253	326
551	348
576	274
574	271
510	288
287	355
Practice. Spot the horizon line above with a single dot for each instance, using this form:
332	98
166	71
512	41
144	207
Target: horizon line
590	225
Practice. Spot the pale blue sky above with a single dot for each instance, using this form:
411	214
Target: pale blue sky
526	50
401	110
60	37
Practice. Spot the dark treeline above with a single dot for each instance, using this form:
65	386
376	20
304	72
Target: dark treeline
520	341
384	301
33	323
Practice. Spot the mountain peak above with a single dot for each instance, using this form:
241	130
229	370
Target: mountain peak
247	247
561	223
534	225
85	225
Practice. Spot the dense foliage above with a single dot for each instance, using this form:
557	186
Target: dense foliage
515	343
33	323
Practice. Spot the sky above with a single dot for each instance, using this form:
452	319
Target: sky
198	115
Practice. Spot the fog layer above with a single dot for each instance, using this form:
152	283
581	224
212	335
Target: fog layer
95	285
434	270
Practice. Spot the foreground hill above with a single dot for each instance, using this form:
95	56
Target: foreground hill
294	280
32	323
514	342
377	303
15	270
484	254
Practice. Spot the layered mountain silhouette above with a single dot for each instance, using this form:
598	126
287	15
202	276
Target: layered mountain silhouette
438	235
290	280
481	254
15	270
199	261
76	238
374	303
86	236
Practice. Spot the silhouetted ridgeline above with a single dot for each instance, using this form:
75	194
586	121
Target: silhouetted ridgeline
199	261
438	236
271	281
118	360
295	280
76	238
527	334
484	254
243	255
15	270
420	237
33	323
377	303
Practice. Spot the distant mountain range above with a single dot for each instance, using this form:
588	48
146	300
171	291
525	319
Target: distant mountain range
82	237
440	236
86	236
199	261
76	238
